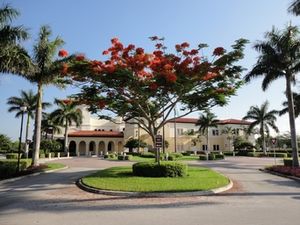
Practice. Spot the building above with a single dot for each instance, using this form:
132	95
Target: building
97	136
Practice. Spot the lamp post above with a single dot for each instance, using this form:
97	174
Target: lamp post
23	110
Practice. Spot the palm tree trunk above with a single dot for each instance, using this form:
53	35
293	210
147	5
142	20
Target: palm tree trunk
26	136
262	129
38	121
66	136
292	121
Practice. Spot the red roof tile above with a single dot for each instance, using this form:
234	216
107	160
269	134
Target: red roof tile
234	121
92	133
183	120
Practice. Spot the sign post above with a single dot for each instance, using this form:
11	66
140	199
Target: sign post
158	145
274	141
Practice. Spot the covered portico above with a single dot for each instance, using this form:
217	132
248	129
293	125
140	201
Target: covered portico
89	143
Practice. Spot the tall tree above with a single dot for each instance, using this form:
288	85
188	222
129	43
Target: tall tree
49	126
13	58
29	100
296	98
205	122
280	57
294	7
264	119
65	115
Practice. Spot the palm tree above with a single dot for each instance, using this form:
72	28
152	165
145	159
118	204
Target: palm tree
280	57
27	99
294	8
13	58
206	121
65	115
296	98
228	131
49	126
264	119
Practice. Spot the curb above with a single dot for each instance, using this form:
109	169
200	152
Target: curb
214	191
280	175
30	175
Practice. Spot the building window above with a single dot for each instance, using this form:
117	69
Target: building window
215	132
216	147
204	147
180	131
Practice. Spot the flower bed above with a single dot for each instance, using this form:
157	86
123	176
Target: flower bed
286	170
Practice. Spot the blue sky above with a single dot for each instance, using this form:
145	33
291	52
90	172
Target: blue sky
87	27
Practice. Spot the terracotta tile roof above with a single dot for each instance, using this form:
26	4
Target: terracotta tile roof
234	121
221	122
92	133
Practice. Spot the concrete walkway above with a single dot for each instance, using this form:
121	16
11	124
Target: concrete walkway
257	199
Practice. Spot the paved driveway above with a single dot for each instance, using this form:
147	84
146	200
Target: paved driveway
257	199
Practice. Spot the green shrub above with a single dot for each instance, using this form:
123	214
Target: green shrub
202	157
186	154
211	156
288	162
51	146
147	155
126	157
165	169
8	167
219	156
110	156
278	155
229	153
12	156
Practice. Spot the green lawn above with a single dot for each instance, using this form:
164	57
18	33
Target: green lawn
53	166
189	158
122	179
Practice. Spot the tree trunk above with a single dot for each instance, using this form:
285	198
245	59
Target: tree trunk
37	130
207	142
26	136
66	137
263	138
292	121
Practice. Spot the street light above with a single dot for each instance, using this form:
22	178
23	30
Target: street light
23	110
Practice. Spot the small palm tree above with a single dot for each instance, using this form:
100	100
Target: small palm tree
280	57
294	8
228	131
206	121
65	115
49	126
12	56
27	99
264	119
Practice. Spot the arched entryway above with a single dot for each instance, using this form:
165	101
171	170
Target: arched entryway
111	147
92	148
120	146
72	148
82	148
101	147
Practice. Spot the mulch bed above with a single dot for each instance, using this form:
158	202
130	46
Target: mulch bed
286	170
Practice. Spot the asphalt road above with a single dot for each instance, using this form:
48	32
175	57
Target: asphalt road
256	199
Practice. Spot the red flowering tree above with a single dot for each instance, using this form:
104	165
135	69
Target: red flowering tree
145	87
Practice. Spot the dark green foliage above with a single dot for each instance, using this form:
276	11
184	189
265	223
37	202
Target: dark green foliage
126	157
278	155
219	156
8	167
134	143
211	156
186	154
288	162
50	146
110	156
202	157
147	155
164	169
12	156
5	143
229	153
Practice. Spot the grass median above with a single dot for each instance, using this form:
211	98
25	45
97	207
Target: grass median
122	179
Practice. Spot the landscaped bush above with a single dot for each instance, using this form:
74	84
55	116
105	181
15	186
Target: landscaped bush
229	153
164	169
8	167
133	153
12	156
212	156
202	157
186	154
147	155
288	162
110	156
219	156
126	157
287	170
51	146
277	155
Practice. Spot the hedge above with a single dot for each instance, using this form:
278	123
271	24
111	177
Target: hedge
288	162
126	157
12	156
9	167
110	156
211	156
147	155
164	169
277	155
229	153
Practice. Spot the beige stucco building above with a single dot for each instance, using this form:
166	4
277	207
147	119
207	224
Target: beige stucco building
96	136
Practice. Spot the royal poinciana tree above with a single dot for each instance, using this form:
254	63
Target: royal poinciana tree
144	88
